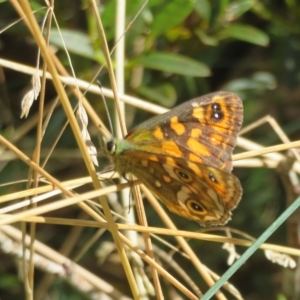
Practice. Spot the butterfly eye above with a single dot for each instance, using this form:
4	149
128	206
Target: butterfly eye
183	176
194	206
111	146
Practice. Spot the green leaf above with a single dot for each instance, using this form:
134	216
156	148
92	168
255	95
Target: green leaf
205	38
218	9
257	83
238	8
170	15
203	8
9	281
281	297
245	33
75	42
258	242
173	63
163	94
108	15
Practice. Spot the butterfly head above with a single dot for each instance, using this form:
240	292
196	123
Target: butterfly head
107	145
114	149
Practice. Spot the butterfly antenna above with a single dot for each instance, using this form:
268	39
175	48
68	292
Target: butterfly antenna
106	109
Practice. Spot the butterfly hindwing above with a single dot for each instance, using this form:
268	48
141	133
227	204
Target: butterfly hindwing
201	193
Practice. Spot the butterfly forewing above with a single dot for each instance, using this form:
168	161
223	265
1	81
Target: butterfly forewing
202	130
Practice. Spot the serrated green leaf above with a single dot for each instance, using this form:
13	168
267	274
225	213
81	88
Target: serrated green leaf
173	63
245	33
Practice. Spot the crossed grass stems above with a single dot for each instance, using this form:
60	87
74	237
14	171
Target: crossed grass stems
251	158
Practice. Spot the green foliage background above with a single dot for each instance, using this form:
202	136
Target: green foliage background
186	48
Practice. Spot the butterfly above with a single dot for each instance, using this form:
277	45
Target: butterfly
184	157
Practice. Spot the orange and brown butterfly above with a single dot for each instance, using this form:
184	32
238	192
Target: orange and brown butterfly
184	157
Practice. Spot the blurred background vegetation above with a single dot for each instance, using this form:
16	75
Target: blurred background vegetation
175	51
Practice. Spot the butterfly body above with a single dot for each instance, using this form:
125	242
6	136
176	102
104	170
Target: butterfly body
184	157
